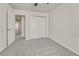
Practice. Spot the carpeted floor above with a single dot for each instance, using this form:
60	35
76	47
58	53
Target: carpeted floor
36	47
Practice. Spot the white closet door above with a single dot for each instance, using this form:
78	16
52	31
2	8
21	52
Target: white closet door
38	27
11	27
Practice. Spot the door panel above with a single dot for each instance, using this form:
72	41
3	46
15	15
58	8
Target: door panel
11	27
38	27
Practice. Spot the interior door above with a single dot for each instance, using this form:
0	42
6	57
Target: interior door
11	27
38	27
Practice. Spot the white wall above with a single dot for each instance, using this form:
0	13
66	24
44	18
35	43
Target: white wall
28	15
3	25
64	26
3	18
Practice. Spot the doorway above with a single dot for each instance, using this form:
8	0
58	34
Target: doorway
19	26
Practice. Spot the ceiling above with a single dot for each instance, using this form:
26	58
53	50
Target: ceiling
41	7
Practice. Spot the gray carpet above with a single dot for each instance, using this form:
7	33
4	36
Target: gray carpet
36	47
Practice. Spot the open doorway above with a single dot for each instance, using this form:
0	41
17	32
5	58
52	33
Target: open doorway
20	26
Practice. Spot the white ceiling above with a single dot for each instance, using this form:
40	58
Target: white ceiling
43	7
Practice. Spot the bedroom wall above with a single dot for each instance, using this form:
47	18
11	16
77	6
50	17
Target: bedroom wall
3	25
64	26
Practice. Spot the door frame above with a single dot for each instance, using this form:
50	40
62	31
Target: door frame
24	24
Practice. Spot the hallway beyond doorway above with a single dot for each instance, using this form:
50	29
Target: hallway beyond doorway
19	26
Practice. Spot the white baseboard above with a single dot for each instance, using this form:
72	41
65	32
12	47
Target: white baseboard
2	49
30	38
64	45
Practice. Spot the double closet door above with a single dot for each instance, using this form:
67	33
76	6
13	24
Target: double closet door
38	26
